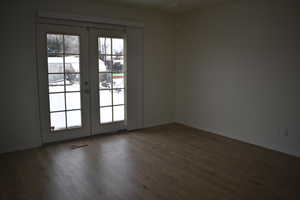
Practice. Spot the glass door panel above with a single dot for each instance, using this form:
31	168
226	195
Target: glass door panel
108	78
64	81
111	79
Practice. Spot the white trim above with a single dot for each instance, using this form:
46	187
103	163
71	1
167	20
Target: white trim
103	20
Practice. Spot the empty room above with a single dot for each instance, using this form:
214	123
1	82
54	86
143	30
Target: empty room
150	100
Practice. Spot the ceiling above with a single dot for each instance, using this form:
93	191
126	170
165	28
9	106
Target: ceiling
167	5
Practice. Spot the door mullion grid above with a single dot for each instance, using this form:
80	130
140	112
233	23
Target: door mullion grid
112	82
98	58
111	72
65	89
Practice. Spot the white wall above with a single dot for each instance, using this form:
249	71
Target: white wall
238	72
19	98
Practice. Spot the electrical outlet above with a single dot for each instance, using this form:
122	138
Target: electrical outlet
283	132
279	132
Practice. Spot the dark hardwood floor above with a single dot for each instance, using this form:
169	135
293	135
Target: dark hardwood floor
166	163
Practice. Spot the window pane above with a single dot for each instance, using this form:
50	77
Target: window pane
108	45
56	88
56	82
105	80
57	102
57	121
118	80
73	100
106	115
118	113
105	98
118	64
118	46
118	96
54	43
71	44
72	82
74	118
101	45
72	64
55	63
105	63
104	45
56	79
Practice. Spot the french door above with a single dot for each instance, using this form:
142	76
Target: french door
108	77
82	76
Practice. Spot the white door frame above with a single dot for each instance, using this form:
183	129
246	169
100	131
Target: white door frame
66	134
98	128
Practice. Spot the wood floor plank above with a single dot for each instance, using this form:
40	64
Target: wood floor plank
170	162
